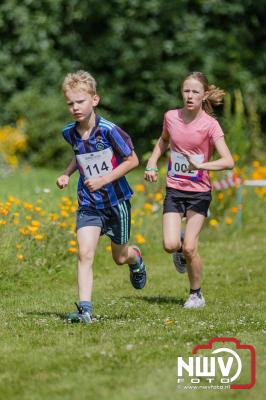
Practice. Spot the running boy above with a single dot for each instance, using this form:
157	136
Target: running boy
193	134
103	155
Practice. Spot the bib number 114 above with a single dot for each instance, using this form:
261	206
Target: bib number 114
96	169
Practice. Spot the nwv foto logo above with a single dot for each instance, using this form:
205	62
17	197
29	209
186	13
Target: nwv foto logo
220	366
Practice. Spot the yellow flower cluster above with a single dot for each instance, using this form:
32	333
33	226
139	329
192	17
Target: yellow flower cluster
35	225
32	220
12	141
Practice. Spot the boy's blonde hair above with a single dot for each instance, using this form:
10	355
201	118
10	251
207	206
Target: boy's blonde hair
79	80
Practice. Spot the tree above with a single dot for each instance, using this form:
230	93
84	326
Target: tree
138	51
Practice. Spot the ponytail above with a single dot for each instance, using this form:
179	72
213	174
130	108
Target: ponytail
214	98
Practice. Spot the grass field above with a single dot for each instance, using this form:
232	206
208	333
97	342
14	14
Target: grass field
131	352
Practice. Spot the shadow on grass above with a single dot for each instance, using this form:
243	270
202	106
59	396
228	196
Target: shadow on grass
47	314
97	318
159	299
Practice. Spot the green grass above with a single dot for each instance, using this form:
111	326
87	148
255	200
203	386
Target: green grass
130	353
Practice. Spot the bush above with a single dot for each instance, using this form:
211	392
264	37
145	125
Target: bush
12	141
44	115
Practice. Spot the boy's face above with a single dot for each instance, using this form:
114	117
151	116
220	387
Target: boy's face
193	94
80	103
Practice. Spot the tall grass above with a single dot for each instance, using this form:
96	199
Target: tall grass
131	352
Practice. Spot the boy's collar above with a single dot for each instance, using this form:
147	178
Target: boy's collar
97	120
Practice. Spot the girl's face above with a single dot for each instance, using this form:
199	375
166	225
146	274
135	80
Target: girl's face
80	103
193	94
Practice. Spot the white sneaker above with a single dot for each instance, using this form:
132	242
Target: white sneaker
194	301
179	262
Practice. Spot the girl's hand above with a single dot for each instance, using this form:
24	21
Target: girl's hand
62	181
193	165
151	174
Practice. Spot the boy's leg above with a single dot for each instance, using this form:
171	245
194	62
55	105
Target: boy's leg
117	228
123	254
131	255
190	248
87	238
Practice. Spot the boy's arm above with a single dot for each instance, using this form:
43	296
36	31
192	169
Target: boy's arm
122	169
62	181
151	171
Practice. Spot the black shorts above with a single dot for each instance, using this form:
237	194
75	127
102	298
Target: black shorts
179	201
113	221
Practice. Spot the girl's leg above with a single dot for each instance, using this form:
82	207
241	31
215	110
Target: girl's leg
172	231
190	248
87	238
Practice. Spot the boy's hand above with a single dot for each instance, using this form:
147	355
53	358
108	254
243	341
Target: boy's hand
62	181
95	184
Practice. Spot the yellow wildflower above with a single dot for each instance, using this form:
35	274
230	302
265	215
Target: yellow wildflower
148	206
140	238
220	196
39	237
228	220
158	196
35	223
213	222
139	188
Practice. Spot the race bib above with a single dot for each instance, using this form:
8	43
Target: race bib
179	164
96	164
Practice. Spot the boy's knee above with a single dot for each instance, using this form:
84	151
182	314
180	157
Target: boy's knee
85	255
120	259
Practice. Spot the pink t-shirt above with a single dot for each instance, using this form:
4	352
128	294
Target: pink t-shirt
196	138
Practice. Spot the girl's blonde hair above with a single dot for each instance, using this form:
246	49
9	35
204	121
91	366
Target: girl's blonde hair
215	94
80	80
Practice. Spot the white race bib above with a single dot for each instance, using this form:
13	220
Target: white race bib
96	164
179	164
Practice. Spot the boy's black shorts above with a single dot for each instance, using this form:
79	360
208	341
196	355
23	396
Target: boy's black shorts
179	201
113	221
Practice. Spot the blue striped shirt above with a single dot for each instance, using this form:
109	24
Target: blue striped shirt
105	135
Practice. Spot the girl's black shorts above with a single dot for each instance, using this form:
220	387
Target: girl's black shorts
179	201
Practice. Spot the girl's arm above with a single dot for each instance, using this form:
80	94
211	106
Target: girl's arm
151	171
224	162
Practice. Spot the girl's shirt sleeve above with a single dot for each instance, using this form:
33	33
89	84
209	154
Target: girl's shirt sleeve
215	131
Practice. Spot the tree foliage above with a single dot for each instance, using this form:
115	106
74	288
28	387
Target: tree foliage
138	51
